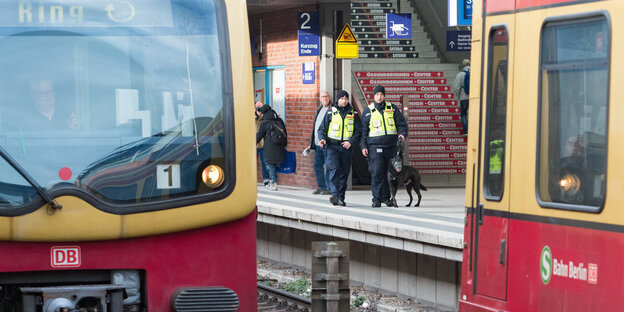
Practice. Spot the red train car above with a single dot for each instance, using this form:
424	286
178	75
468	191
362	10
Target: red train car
544	223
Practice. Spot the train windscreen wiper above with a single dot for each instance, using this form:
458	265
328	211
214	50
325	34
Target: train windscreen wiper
42	192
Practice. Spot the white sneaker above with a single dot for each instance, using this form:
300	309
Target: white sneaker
273	187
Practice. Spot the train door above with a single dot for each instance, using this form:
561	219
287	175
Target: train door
491	240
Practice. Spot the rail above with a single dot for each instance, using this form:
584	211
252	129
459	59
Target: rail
273	299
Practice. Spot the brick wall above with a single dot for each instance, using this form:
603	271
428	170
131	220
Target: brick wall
280	47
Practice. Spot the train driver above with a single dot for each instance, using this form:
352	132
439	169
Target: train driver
48	116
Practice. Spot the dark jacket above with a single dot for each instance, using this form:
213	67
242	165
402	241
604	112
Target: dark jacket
273	153
258	120
316	115
357	125
384	140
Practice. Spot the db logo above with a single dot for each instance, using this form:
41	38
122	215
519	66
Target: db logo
593	273
65	257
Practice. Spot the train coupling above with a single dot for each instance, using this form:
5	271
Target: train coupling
75	298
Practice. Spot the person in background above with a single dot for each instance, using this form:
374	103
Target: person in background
50	117
340	129
461	94
260	145
383	124
320	154
274	154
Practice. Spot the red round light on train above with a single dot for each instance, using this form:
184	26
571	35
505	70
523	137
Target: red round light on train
65	173
213	176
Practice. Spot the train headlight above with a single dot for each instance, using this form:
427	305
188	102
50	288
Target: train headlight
213	176
570	183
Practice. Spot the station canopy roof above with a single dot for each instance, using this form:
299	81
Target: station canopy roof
264	6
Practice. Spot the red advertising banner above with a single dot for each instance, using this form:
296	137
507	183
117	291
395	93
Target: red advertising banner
411	89
398	74
434	140
438	163
442	171
434	125
413	133
418	118
421	156
434	110
417	96
436	143
432	103
435	148
390	82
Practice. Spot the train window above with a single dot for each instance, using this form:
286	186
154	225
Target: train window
121	112
496	118
572	146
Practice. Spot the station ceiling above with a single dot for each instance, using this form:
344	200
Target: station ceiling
263	6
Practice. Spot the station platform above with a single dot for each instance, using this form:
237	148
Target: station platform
435	228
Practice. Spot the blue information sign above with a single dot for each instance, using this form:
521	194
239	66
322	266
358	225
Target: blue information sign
308	33
398	26
458	40
459	12
468	10
308	72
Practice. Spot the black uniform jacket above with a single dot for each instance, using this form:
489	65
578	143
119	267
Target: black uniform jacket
388	140
343	111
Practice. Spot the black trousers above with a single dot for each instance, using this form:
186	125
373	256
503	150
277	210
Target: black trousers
339	164
378	160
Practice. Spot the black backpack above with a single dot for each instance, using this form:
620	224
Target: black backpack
277	132
467	81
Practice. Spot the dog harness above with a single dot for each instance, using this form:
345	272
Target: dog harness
340	129
379	124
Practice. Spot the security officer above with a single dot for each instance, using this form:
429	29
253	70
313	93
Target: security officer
340	128
383	124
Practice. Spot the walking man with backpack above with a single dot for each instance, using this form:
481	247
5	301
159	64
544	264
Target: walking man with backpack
273	130
260	146
461	87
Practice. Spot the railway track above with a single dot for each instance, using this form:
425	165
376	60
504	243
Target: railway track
273	299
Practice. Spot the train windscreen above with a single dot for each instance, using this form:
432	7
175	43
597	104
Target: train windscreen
123	102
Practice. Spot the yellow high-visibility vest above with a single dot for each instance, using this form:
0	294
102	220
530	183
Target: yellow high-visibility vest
381	124
496	156
340	129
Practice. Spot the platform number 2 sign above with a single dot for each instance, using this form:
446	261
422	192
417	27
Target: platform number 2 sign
305	25
308	33
168	176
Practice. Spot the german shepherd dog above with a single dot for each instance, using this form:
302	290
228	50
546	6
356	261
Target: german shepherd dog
398	174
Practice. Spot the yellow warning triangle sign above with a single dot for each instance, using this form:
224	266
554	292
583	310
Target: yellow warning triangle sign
346	35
